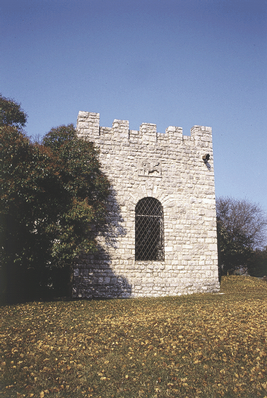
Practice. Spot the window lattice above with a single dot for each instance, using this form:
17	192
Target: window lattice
149	237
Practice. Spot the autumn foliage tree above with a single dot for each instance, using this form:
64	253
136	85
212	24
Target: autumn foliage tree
241	228
52	204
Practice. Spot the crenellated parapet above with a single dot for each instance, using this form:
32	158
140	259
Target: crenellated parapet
88	124
88	128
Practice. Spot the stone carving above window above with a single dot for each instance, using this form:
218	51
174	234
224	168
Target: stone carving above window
150	168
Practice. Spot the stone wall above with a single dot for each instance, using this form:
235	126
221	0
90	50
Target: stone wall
170	168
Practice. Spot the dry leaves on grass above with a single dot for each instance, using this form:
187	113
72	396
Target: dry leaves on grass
194	346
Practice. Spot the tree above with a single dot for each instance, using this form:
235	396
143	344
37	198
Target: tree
87	188
241	227
257	265
11	113
52	204
30	199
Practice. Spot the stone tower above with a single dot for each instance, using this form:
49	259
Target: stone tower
161	237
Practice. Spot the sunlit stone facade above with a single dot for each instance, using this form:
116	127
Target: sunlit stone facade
169	168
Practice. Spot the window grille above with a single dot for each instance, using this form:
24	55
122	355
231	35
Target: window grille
149	230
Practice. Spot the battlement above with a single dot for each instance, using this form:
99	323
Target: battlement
88	128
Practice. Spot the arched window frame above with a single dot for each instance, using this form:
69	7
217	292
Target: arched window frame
149	230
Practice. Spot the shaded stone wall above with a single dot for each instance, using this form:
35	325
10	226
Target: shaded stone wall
170	168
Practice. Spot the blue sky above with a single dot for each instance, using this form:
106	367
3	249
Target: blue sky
169	62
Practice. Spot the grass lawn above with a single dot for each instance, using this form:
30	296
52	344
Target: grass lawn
187	346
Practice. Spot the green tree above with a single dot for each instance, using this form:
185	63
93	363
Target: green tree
257	266
52	205
87	189
31	198
241	228
11	113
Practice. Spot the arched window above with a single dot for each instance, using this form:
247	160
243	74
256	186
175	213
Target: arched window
149	231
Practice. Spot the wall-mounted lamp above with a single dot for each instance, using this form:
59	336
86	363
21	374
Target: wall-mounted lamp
206	158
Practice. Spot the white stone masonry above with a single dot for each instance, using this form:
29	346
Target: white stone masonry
170	168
